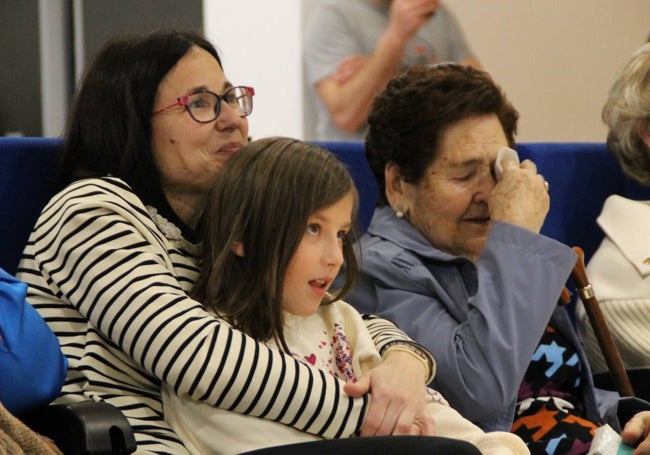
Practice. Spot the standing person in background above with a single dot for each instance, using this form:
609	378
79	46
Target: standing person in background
620	269
114	255
354	47
283	211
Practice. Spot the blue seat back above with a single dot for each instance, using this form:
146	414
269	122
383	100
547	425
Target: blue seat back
27	182
581	177
353	155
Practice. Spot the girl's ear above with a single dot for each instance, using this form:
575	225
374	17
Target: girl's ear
238	249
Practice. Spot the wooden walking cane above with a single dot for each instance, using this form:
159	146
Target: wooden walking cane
603	335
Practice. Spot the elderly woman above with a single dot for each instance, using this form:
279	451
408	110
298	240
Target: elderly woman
620	268
114	255
454	256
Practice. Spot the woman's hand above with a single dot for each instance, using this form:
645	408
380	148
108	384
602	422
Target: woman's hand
520	197
638	429
398	403
405	17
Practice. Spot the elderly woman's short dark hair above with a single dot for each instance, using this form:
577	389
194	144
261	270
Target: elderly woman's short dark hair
408	119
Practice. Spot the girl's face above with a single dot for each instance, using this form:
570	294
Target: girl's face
318	258
189	155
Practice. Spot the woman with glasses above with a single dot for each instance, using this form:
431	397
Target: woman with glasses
114	254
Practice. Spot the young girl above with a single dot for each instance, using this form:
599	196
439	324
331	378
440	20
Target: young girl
280	225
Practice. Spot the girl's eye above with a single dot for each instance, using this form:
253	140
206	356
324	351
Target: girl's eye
313	229
342	234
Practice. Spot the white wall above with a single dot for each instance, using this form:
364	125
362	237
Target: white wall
259	43
555	59
55	90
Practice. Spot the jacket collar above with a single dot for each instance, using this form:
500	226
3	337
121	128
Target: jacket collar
386	225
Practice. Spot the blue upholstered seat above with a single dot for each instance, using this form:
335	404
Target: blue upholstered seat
27	170
581	177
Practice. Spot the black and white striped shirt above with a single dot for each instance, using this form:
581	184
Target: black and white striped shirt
111	277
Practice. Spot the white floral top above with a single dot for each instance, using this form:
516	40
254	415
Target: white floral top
335	339
328	339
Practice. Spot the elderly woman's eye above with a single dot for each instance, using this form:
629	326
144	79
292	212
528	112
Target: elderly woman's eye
465	177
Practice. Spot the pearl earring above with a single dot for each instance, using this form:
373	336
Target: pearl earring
399	213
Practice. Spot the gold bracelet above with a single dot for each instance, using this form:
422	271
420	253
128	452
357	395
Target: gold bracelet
415	351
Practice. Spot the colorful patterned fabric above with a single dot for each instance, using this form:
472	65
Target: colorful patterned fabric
549	416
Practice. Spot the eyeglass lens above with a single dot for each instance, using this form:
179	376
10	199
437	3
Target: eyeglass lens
206	106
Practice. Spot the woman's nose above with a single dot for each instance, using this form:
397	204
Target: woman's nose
485	184
229	117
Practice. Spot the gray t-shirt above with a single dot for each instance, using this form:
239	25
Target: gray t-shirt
339	28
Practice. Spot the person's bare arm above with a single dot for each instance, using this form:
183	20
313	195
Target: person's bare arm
348	102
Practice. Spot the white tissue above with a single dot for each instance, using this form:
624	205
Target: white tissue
503	153
606	441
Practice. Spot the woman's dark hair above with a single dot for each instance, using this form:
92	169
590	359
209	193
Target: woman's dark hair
108	131
407	120
262	201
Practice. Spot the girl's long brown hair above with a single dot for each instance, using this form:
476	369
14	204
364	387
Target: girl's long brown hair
262	201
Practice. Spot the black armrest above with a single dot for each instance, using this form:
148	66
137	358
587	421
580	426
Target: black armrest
86	427
413	445
639	377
